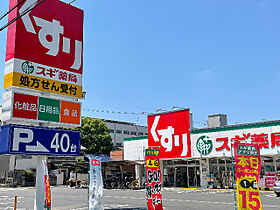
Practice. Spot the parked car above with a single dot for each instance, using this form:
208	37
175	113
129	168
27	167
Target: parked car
277	188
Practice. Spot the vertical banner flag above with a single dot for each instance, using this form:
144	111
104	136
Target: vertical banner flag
170	132
247	171
47	203
153	179
95	184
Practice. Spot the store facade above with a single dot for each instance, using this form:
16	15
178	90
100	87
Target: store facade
210	163
213	146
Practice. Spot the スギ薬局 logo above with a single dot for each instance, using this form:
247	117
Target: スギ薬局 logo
204	145
27	67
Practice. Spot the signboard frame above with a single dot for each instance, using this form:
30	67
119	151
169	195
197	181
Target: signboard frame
8	111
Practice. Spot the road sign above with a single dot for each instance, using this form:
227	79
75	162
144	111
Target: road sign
19	107
30	140
170	132
44	48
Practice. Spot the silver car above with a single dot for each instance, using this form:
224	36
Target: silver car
277	188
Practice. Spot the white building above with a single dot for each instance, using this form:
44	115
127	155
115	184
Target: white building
120	130
11	163
213	167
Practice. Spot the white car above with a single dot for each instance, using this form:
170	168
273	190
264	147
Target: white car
277	188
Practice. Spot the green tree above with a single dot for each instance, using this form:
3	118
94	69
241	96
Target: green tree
95	136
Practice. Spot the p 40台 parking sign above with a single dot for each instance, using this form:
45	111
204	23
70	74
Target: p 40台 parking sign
30	140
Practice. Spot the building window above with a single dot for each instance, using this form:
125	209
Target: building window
126	132
133	133
24	157
119	131
140	134
112	131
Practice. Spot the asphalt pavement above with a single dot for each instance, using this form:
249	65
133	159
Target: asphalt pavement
64	198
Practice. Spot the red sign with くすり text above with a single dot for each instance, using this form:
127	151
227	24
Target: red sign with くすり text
44	50
51	34
170	132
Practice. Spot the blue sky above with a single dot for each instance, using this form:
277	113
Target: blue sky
211	56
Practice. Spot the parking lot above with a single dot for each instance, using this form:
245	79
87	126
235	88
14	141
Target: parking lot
76	199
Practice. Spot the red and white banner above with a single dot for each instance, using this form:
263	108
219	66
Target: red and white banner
170	132
47	187
45	47
153	179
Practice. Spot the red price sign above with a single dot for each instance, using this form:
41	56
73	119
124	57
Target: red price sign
250	199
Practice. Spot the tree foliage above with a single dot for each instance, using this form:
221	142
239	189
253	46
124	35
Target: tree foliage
95	136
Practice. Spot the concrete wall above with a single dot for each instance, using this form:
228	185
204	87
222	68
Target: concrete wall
80	176
7	163
59	179
25	162
4	165
217	120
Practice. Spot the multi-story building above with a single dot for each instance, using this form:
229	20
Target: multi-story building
120	130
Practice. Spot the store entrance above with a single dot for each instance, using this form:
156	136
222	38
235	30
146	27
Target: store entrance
181	173
193	176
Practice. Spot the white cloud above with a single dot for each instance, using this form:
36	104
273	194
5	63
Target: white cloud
205	72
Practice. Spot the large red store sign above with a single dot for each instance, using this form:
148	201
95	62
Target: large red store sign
44	48
170	132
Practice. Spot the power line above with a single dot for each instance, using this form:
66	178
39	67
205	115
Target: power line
200	123
116	112
12	9
33	6
130	113
72	1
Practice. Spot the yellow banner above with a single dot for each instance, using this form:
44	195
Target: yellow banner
37	83
152	163
248	194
